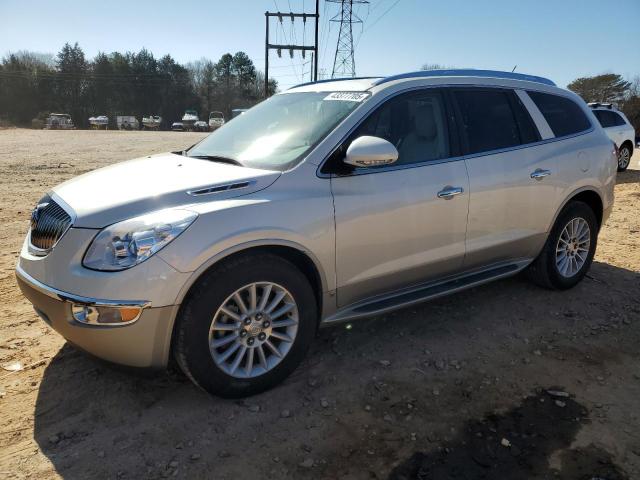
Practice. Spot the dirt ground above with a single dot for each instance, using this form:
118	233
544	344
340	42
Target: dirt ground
504	381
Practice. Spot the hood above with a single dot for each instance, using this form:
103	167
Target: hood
135	187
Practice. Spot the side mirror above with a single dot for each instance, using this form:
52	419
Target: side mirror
370	152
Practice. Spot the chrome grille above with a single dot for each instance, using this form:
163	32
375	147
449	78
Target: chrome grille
49	221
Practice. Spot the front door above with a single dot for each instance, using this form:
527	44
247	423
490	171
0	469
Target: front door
403	224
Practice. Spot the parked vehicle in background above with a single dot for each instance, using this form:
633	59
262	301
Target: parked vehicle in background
152	122
619	130
237	112
59	121
177	127
127	122
216	120
99	123
327	203
201	126
189	119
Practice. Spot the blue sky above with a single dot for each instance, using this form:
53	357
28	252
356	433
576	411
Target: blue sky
561	39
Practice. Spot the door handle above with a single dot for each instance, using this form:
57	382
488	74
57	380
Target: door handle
539	173
449	192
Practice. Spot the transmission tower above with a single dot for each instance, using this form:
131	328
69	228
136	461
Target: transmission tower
344	64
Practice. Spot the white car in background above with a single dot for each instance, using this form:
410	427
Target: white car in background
619	130
201	126
216	120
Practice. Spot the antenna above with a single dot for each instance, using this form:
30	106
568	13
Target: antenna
344	64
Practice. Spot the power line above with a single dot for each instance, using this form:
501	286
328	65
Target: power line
291	47
285	39
377	20
364	21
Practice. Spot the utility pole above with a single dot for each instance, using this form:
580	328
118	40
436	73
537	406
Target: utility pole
279	47
344	64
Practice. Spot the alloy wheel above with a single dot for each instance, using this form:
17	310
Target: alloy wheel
573	247
253	330
624	157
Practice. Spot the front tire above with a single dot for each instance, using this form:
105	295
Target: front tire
246	325
568	252
624	157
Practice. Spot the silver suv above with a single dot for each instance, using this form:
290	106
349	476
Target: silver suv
326	203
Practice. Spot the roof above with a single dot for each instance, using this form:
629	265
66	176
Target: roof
365	83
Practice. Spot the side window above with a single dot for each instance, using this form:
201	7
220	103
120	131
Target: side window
528	130
562	114
600	118
488	120
608	119
415	123
618	120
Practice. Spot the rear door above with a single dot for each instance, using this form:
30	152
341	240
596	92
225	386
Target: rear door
607	121
403	224
512	187
620	128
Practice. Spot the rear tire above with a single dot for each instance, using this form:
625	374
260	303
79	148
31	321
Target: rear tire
563	261
211	315
624	157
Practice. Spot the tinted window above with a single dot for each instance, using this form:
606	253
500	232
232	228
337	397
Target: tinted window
618	121
488	120
415	123
606	119
600	118
609	119
528	130
563	115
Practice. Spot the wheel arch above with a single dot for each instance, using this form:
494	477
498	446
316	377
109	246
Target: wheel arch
627	142
587	195
302	258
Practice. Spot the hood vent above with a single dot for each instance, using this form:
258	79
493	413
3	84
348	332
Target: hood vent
219	188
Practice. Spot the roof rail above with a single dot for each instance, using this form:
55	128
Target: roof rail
467	73
332	80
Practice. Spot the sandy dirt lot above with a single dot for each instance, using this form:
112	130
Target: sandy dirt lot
505	381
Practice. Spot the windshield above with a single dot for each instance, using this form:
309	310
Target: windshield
277	133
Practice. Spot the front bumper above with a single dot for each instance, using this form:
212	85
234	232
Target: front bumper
143	343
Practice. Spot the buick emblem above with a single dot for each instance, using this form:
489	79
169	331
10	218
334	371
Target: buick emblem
35	213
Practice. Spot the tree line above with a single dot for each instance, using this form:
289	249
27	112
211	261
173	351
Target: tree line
33	85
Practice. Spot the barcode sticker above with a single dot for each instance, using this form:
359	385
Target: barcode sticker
347	96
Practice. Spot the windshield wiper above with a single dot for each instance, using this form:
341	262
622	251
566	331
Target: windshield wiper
218	158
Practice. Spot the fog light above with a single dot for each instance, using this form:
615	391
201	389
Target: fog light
104	315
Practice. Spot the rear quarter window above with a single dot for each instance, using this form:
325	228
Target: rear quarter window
564	116
618	121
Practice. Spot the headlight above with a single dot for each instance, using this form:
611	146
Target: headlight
128	243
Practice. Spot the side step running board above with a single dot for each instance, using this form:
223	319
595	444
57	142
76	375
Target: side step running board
388	303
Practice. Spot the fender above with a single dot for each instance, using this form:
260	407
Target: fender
266	242
327	297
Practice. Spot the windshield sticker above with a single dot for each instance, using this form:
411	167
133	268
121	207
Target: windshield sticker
347	96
